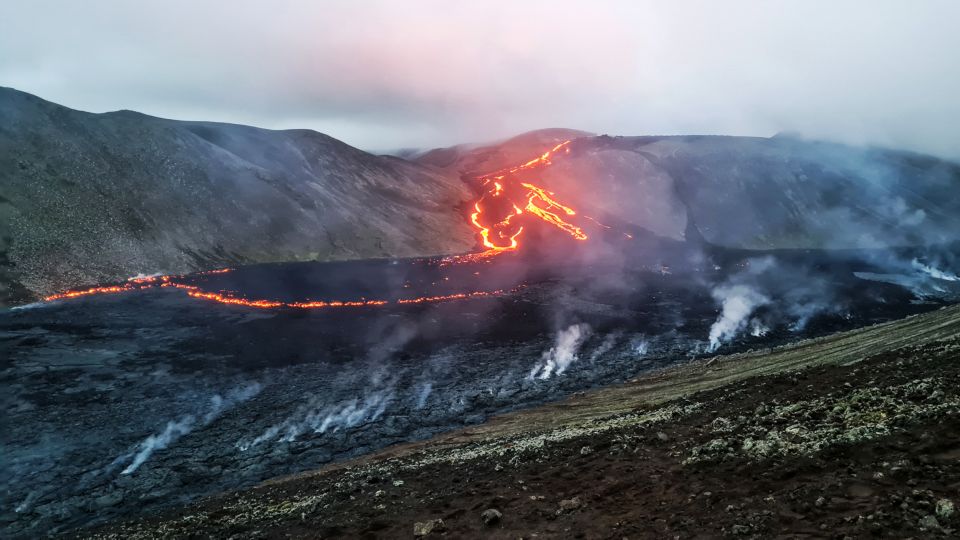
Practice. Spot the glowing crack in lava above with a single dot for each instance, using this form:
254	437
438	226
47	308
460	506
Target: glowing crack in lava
136	284
507	201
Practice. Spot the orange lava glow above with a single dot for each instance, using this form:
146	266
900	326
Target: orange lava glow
222	297
91	291
499	216
495	220
446	297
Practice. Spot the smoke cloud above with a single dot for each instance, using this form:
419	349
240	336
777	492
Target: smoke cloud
185	424
558	358
933	272
738	302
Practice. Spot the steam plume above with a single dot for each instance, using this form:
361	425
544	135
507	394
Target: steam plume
738	301
556	360
935	273
185	424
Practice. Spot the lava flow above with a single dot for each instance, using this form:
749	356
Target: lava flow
499	217
499	214
222	297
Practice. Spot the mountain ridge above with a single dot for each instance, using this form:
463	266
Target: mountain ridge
88	198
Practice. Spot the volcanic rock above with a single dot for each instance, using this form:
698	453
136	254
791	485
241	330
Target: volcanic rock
491	516
423	528
110	499
569	505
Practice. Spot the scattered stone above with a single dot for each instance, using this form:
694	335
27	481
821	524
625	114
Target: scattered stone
569	505
662	436
423	528
740	530
944	509
491	517
586	451
380	493
929	522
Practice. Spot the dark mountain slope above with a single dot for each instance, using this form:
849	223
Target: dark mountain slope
88	198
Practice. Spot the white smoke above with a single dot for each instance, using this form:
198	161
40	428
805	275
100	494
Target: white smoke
935	273
608	342
32	305
424	394
353	412
185	424
141	275
641	346
559	357
738	302
316	416
757	328
173	431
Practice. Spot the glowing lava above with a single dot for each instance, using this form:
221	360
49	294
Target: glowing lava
499	216
222	297
500	211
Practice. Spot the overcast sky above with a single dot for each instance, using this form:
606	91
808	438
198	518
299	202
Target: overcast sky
390	74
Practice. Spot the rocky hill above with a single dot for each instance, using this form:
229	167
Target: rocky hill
88	198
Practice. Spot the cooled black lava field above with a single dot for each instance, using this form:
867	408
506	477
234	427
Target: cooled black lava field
125	403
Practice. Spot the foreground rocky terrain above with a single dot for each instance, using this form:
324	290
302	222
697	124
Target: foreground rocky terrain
850	435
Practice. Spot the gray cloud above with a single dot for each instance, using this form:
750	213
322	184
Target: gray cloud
383	74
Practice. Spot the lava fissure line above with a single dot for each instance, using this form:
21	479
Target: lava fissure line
137	284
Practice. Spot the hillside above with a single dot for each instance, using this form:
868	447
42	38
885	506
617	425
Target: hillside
89	198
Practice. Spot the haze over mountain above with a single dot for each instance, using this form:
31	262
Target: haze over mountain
90	198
